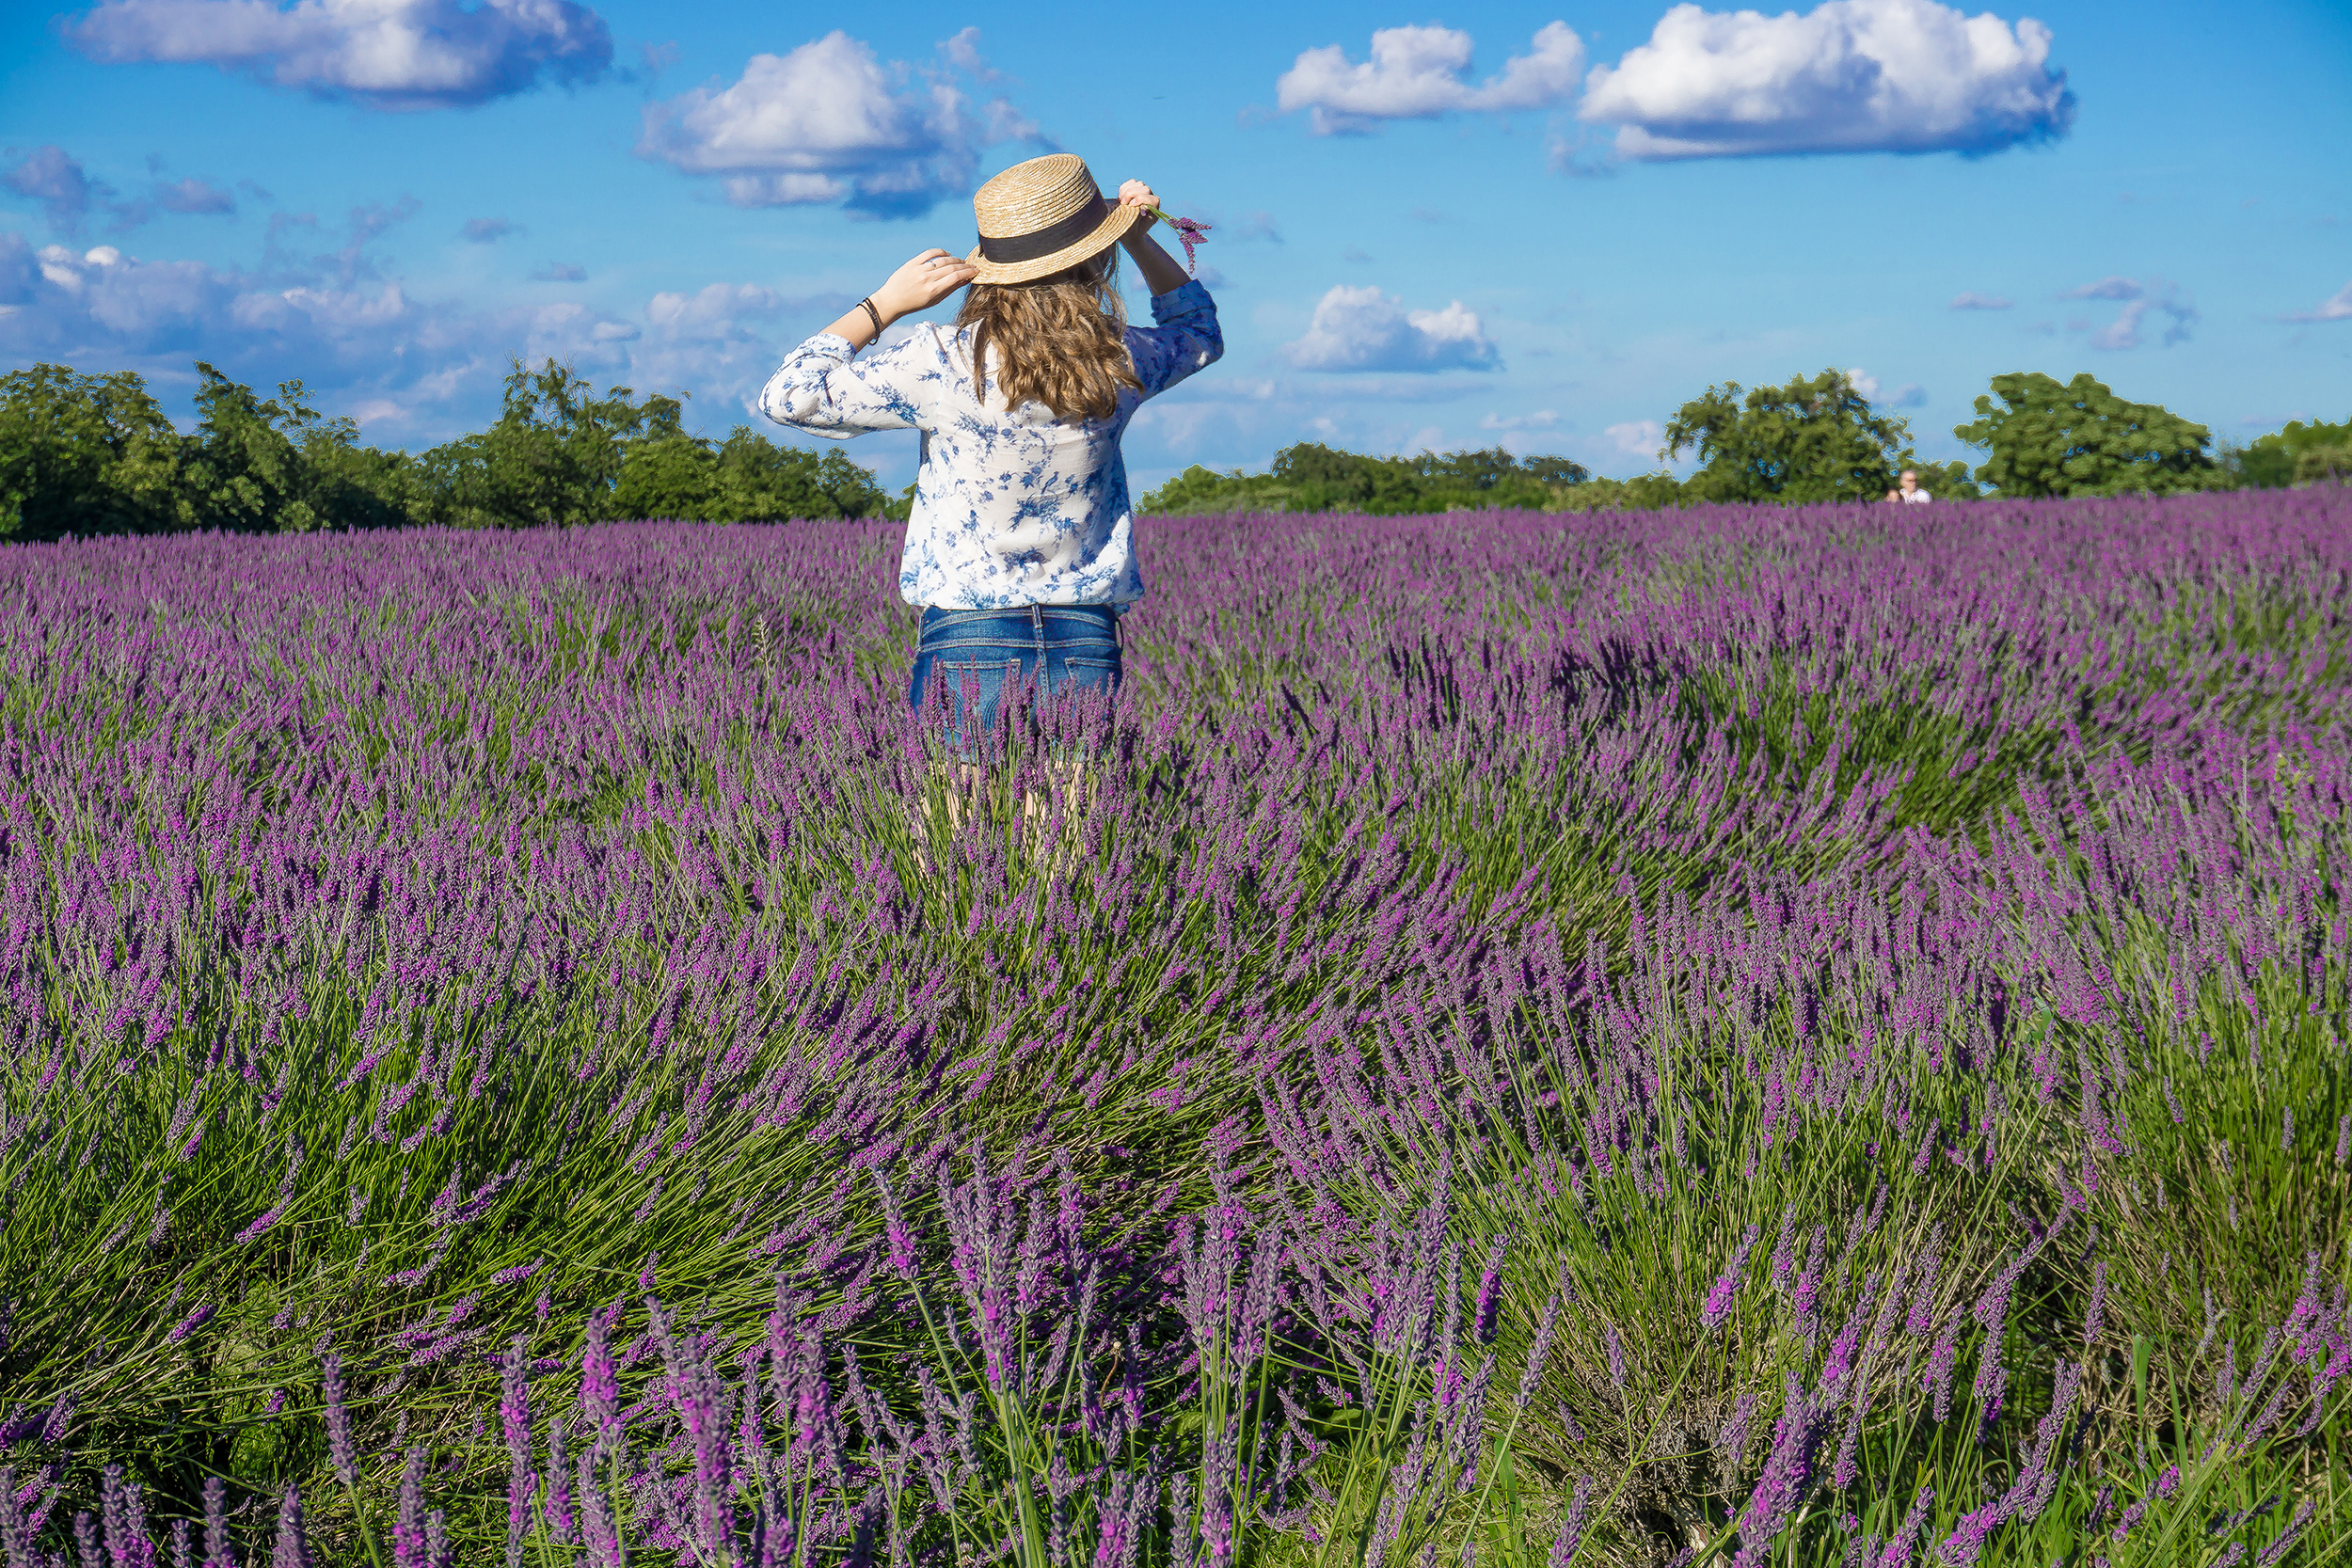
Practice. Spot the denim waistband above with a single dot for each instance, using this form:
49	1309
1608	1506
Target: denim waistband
1038	623
1036	614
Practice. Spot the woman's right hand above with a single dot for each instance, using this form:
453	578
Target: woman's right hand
922	282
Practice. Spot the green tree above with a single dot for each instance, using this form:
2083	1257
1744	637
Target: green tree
1652	491
85	454
276	465
761	481
1311	477
2080	439
2325	465
669	475
553	456
1815	440
2271	462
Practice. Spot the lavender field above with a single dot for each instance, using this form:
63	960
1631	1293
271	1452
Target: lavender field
1736	1036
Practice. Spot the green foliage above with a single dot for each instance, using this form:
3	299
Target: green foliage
95	454
2325	465
746	478
2081	440
1642	493
84	455
257	465
555	455
1815	440
2274	461
1311	477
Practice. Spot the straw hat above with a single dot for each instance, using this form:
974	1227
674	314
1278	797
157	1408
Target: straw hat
1038	217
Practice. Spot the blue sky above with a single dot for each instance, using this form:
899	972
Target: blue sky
1546	226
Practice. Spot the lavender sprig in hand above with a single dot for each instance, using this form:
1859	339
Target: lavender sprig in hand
1189	233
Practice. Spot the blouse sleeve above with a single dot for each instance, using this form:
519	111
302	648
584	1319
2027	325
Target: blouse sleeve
821	388
1184	339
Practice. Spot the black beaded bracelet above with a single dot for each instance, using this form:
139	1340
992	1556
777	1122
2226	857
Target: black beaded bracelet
868	304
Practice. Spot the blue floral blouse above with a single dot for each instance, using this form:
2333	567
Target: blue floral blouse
1012	506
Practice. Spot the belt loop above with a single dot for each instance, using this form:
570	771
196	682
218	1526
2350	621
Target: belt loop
1037	616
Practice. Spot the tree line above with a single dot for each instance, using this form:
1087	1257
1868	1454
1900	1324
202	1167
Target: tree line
1816	438
95	454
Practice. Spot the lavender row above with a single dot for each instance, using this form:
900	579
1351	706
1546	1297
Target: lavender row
432	939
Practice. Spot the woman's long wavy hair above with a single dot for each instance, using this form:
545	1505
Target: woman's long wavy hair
1061	339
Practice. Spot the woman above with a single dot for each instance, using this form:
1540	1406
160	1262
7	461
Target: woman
1021	545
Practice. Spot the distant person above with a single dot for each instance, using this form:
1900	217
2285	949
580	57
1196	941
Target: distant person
1020	546
1910	494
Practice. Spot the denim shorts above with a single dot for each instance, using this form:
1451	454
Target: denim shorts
1047	652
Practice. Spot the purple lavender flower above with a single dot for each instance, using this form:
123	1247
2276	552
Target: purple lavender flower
1900	1549
1732	1441
1539	1350
410	1549
1489	1294
1962	1548
16	1544
340	1452
217	1551
122	1506
557	1509
515	1424
2287	1537
1716	1310
1787	1475
599	1383
293	1548
598	1530
190	1323
1570	1540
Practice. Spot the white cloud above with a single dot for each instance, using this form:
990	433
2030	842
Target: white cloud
2108	287
1848	76
102	308
384	53
1418	74
68	194
829	122
55	178
194	196
2124	331
1363	329
1909	395
2140	298
411	369
486	231
1973	301
1542	419
560	271
1639	438
2335	307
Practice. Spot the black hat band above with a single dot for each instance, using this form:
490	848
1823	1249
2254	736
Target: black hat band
1007	249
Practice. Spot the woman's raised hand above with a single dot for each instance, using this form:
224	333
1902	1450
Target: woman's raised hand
1134	192
922	282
